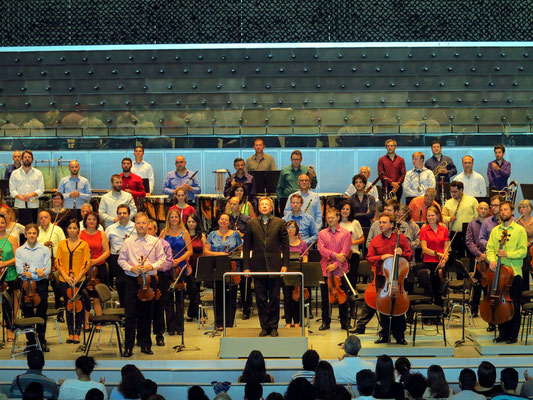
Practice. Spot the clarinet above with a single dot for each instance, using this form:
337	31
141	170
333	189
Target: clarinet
75	198
308	205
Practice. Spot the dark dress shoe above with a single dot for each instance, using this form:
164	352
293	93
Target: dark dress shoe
171	333
44	348
491	328
274	332
127	353
475	314
324	327
380	340
70	341
403	342
509	341
189	319
246	316
263	333
60	317
76	341
160	341
499	339
357	331
147	350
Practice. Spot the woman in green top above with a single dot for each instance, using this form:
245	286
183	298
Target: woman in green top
239	190
8	272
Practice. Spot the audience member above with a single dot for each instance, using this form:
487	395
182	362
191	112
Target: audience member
94	394
253	391
255	369
467	383
366	384
35	360
486	377
437	386
300	389
386	387
350	363
415	386
76	389
147	389
196	393
402	366
223	396
34	391
325	381
509	381
310	361
341	393
128	388
275	396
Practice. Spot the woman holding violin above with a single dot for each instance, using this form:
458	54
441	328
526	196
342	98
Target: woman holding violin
99	247
32	260
8	274
334	244
435	243
220	243
194	227
180	242
73	260
507	255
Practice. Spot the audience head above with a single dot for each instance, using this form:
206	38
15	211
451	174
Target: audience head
366	382
275	396
147	388
95	394
310	360
385	371
254	369
34	391
132	377
324	380
415	385
341	393
222	396
467	379
196	393
437	382
486	374
509	379
352	345
253	391
85	365
402	367
300	389
35	359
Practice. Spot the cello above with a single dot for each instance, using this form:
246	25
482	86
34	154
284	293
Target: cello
497	306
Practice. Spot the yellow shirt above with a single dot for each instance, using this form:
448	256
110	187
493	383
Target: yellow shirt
466	212
515	246
76	261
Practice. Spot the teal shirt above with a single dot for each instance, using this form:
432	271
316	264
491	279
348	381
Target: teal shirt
515	246
7	254
288	180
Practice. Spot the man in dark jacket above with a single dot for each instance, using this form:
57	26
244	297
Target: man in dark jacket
268	240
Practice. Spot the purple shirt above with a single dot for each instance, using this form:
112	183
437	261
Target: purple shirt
484	234
168	253
332	243
472	237
499	178
136	247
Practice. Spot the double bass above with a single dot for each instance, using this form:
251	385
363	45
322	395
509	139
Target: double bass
497	306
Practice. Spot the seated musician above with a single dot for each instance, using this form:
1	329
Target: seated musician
434	240
241	192
8	273
181	177
380	249
392	207
511	255
73	261
32	260
140	257
311	201
363	205
86	208
198	239
308	230
420	204
242	177
371	189
334	243
184	209
59	215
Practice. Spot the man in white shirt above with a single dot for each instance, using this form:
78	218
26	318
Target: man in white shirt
143	169
111	200
419	179
350	363
474	183
467	383
365	171
311	204
75	188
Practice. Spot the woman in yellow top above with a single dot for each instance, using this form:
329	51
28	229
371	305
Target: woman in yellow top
73	259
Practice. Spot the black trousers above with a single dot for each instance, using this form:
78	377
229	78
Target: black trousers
510	329
116	274
291	308
343	308
194	296
476	293
29	311
54	282
138	314
75	320
231	304
246	294
163	282
7	309
436	283
267	298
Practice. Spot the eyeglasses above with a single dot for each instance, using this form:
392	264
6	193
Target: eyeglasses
494	205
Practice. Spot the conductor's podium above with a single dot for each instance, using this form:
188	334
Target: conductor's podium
239	342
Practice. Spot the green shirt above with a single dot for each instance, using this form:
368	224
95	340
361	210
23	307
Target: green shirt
7	254
288	180
515	246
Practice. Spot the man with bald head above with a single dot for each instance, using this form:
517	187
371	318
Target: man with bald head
474	182
75	188
181	177
365	171
17	162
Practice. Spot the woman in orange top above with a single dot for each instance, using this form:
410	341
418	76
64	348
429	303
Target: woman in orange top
73	259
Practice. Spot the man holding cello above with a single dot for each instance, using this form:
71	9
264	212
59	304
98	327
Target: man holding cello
382	247
507	255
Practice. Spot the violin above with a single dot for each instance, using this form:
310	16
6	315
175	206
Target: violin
336	294
234	279
178	284
74	300
93	278
441	268
145	292
393	299
296	292
497	306
31	297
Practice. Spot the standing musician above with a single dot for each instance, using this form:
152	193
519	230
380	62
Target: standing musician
180	242
435	163
143	168
306	225
334	243
220	243
181	205
260	161
268	241
435	240
141	256
499	170
419	179
59	215
73	261
459	209
116	234
111	200
98	269
75	187
17	157
131	183
512	254
164	276
392	207
181	177
194	227
289	175
363	205
26	183
420	204
525	220
242	177
369	188
382	247
391	169
33	265
8	273
474	247
311	201
474	182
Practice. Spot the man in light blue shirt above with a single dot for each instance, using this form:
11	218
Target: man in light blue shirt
311	201
308	231
75	188
181	177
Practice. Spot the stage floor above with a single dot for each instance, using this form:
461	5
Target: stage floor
200	344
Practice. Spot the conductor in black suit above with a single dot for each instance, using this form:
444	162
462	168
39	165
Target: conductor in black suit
268	240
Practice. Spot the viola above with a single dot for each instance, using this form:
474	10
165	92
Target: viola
178	283
93	278
31	297
145	292
336	294
393	299
497	306
74	300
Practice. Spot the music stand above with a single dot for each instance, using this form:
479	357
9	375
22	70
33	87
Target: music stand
4	187
266	182
527	190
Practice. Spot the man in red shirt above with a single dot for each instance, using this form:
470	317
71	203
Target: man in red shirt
131	183
391	169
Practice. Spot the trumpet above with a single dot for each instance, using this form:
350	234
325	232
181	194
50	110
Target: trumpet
509	192
438	167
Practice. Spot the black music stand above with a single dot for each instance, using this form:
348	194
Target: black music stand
527	190
266	182
313	278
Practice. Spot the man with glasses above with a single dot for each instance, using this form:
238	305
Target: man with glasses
181	177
